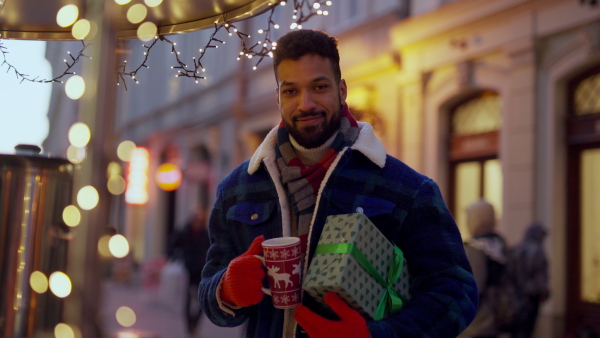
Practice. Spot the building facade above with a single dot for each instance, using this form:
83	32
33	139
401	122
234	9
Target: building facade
532	64
497	99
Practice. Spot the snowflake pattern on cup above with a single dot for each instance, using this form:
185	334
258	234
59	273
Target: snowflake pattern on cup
275	254
284	300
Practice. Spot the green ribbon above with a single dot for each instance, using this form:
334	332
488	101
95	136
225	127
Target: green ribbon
391	301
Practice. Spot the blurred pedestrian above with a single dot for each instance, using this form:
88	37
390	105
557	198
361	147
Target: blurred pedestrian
191	244
529	269
486	251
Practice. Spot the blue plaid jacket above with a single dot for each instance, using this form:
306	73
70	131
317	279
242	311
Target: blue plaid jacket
406	206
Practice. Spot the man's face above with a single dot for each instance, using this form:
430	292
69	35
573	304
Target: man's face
309	99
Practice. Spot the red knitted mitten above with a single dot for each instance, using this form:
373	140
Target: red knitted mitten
242	283
352	324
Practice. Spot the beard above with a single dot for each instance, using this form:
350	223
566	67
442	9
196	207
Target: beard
315	136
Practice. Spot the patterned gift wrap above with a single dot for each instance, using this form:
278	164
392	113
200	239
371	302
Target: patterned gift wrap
347	241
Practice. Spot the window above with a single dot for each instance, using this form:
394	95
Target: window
583	196
475	171
587	96
478	115
590	225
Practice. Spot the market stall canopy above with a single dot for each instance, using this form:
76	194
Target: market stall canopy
36	19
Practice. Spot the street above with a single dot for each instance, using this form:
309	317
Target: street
153	318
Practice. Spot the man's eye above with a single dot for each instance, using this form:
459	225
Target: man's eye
289	91
321	87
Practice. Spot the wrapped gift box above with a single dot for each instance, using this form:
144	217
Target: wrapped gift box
342	272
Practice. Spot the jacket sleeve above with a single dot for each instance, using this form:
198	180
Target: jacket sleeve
443	291
222	250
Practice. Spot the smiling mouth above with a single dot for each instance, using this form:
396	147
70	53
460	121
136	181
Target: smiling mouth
308	119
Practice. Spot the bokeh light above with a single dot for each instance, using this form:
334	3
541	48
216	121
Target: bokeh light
118	246
88	197
116	185
38	282
168	176
75	87
62	330
60	284
124	150
71	215
147	31
153	3
125	316
67	15
137	13
103	248
81	29
79	134
113	169
122	2
75	155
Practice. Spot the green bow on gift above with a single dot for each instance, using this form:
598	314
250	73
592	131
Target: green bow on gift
391	301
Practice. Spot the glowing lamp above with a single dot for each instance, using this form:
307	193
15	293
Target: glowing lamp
168	176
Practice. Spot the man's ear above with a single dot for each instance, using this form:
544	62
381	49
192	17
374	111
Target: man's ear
277	95
343	91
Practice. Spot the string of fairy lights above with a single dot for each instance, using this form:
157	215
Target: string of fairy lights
25	77
303	10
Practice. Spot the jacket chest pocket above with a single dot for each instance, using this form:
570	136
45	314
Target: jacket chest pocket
247	220
251	214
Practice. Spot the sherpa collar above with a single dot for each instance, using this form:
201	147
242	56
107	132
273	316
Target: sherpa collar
366	143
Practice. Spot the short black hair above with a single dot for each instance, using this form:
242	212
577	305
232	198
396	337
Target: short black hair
298	43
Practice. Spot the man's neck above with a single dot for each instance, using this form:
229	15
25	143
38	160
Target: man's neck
311	156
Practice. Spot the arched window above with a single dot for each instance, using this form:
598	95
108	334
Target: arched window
585	96
475	170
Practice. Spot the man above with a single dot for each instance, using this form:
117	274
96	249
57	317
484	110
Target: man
529	268
318	162
486	251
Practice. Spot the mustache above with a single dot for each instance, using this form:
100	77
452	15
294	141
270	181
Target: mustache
307	114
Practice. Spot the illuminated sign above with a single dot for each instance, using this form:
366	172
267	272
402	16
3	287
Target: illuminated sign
137	176
168	177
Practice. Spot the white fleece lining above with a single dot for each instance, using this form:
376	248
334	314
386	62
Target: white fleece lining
369	145
286	228
265	150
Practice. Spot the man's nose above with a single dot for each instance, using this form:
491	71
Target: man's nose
307	102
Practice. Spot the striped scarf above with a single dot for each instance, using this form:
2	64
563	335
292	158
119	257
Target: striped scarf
303	183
